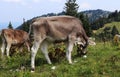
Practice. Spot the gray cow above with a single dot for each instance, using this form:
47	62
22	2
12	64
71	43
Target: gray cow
55	29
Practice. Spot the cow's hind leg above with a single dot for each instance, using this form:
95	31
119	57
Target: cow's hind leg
3	48
37	42
34	50
44	48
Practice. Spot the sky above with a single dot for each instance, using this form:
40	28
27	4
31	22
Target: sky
15	10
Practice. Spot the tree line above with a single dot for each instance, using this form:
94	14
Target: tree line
71	8
108	33
114	16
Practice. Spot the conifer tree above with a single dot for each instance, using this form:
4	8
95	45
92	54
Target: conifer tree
114	31
25	26
86	24
10	25
71	8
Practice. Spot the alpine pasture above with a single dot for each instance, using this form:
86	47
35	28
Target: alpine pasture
103	60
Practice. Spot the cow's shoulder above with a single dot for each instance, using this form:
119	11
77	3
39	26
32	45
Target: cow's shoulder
7	31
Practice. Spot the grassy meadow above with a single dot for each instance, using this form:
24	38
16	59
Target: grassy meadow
103	60
117	24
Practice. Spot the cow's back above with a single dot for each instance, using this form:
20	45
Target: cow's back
14	36
21	35
59	26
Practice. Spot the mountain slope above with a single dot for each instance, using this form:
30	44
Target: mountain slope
110	25
96	14
93	15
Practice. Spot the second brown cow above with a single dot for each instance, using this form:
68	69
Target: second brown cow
12	37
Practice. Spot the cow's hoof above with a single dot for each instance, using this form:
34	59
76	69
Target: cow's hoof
84	56
32	70
75	61
70	63
53	68
49	63
8	57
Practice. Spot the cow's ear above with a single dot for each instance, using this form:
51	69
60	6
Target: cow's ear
91	42
79	43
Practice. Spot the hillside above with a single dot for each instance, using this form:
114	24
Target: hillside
117	24
93	15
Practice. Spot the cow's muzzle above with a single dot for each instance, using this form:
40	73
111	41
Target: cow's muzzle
81	50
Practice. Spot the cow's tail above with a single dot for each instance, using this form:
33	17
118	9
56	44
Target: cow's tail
31	32
3	35
30	27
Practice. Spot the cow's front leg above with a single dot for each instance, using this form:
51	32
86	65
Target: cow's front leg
28	45
44	49
8	49
69	51
70	45
34	50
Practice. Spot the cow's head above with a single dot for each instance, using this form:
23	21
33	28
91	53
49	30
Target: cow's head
82	48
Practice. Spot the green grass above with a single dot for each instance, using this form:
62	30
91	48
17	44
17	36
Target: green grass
117	24
102	61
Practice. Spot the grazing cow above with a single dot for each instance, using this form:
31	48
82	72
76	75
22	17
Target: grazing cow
57	29
12	37
116	39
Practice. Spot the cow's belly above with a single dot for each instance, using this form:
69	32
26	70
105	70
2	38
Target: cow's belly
16	42
56	40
